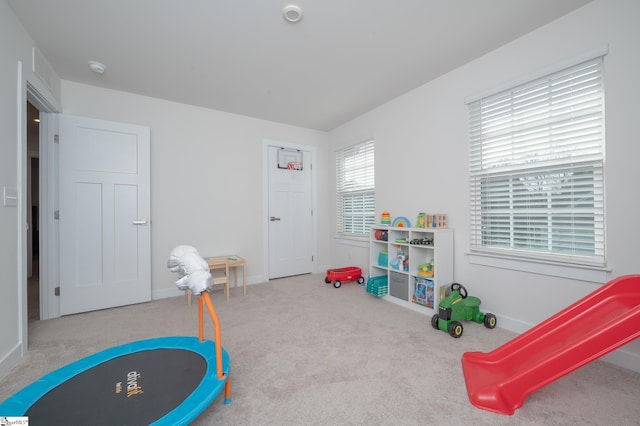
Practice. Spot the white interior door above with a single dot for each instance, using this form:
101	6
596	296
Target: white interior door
105	236
290	213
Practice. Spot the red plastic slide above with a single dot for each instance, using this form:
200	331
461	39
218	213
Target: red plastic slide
601	322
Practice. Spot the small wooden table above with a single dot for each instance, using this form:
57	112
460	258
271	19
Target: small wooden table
226	262
234	262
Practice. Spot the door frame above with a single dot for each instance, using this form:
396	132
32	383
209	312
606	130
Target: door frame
48	201
31	90
266	143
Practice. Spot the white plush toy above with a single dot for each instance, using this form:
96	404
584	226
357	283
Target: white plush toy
192	269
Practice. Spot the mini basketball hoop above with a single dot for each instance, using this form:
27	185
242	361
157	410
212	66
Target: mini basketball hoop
294	165
290	159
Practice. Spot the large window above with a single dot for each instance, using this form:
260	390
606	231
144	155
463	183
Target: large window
536	158
355	189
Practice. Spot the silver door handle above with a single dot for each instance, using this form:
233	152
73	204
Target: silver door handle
274	219
140	222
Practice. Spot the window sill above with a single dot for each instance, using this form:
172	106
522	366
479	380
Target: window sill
351	240
574	272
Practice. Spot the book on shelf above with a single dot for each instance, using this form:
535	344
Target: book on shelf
423	292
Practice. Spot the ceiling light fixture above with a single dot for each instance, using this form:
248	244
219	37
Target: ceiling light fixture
97	67
292	13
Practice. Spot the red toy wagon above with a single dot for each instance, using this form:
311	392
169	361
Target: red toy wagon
349	273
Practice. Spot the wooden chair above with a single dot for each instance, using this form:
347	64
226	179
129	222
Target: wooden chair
219	268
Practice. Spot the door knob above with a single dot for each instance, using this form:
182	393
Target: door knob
140	222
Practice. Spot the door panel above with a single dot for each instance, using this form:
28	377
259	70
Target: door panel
87	235
105	238
126	266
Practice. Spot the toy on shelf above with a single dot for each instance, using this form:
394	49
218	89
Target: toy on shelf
422	241
339	275
426	269
401	222
386	218
459	307
438	220
423	292
393	263
381	235
383	259
401	262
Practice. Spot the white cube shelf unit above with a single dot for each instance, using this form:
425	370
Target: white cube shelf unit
417	263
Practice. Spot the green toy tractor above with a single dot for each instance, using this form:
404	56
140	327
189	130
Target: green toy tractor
456	307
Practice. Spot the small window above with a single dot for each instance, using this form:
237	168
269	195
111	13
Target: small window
536	167
355	189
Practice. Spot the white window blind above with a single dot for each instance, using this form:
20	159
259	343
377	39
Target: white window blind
536	159
355	188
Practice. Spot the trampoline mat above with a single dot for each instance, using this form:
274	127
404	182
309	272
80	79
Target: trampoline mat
132	389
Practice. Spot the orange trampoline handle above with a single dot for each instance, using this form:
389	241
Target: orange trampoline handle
216	327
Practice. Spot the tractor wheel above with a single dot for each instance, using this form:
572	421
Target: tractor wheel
455	329
489	320
434	321
361	280
327	280
337	283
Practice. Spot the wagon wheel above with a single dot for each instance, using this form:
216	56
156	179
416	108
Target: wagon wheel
327	280
460	289
361	280
490	321
455	329
434	321
337	283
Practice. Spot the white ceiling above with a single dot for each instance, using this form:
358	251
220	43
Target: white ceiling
344	58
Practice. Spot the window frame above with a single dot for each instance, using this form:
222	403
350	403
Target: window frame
355	163
515	258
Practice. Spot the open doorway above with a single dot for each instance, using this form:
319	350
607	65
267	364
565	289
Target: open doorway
33	212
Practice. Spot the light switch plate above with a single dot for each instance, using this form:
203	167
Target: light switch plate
10	196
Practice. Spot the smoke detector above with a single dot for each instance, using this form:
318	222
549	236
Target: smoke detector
292	13
97	67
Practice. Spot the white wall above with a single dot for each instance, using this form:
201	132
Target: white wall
213	161
206	176
421	158
15	46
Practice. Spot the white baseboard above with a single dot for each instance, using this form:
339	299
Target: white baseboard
620	357
164	293
13	357
512	324
624	359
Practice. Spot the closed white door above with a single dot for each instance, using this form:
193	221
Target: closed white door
290	212
105	235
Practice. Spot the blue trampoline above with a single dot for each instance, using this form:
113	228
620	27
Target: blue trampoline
161	381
